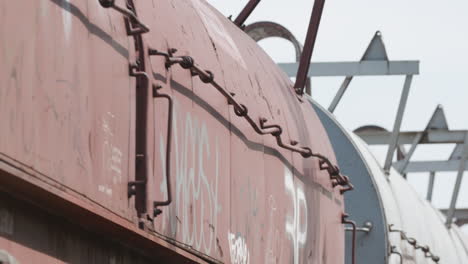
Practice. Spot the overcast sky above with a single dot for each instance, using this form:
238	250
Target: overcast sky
434	32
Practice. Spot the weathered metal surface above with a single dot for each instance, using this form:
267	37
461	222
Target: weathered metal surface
78	121
25	183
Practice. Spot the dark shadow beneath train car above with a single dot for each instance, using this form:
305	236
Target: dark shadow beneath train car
31	235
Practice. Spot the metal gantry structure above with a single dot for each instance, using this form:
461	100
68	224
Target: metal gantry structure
436	132
374	62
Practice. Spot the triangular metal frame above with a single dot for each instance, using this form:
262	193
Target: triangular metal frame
376	50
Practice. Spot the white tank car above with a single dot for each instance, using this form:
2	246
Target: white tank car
404	228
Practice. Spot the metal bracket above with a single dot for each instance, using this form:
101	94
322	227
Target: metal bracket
366	228
130	15
131	191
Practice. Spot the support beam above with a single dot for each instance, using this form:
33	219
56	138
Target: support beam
361	68
430	187
427	166
245	13
404	163
456	189
431	137
309	44
340	93
396	127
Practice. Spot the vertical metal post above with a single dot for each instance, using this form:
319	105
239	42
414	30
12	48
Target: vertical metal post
456	189
430	188
309	44
245	13
396	127
340	93
354	230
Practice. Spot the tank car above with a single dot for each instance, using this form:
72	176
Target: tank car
156	131
394	224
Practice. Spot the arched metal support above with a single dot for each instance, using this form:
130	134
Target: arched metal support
265	29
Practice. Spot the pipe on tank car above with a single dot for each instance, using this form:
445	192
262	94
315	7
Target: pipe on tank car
354	229
156	94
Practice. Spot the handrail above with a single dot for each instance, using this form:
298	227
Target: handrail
156	204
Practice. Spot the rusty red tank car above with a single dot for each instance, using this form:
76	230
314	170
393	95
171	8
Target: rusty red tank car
140	131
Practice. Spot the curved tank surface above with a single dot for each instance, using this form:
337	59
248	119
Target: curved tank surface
405	227
164	132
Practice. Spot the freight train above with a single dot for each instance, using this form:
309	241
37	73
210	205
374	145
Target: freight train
159	132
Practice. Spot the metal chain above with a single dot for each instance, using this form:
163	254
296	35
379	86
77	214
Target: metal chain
262	128
413	242
135	28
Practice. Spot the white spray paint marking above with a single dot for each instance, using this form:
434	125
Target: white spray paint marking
105	189
193	189
272	236
116	160
5	257
238	249
217	32
296	228
67	19
7	223
112	155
